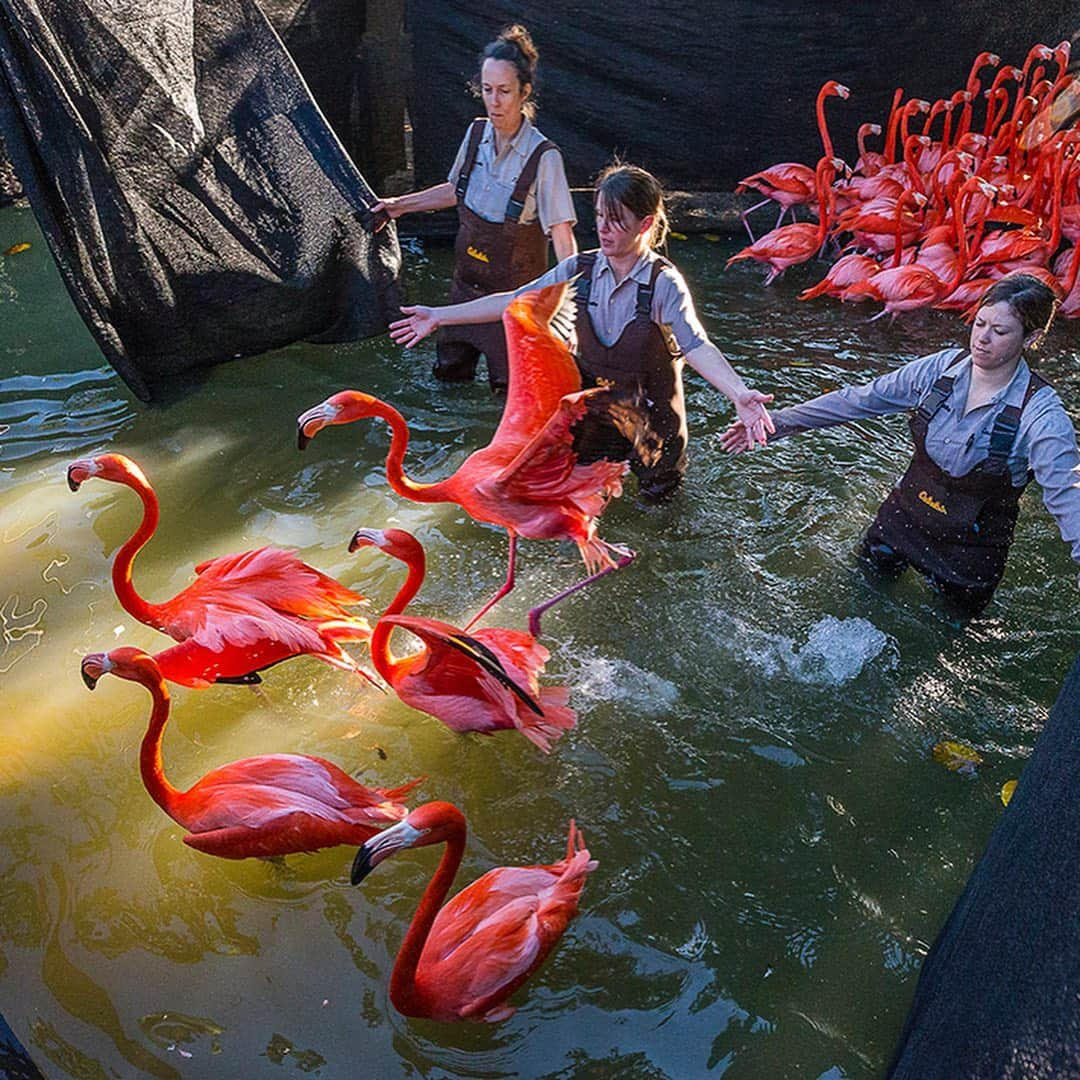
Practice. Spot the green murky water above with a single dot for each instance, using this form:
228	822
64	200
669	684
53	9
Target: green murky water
751	767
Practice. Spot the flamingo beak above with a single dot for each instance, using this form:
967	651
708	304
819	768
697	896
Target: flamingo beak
310	423
367	538
77	472
378	848
93	667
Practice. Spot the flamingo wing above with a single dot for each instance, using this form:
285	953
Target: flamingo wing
456	659
547	466
490	937
280	579
542	367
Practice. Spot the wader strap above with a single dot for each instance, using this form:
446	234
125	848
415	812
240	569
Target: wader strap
586	260
930	405
1003	433
476	134
643	310
525	181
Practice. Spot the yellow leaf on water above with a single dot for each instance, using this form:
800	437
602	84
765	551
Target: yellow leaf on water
17	249
1007	790
677	235
957	757
711	237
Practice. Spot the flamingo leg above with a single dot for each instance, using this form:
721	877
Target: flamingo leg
534	615
506	586
750	210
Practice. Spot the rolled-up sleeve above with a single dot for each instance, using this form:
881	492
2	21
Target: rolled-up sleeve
674	307
889	393
554	203
1055	461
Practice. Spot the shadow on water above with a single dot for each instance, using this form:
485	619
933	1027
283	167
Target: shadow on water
751	765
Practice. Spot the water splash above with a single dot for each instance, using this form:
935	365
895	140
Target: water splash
835	653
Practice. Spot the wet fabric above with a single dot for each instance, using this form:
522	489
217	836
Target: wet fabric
997	994
489	256
645	360
197	203
958	529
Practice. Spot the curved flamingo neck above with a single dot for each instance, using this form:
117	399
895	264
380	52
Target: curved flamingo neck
130	600
823	129
890	128
150	764
403	989
381	656
395	458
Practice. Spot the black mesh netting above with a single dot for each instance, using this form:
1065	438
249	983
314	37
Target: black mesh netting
195	199
704	94
998	993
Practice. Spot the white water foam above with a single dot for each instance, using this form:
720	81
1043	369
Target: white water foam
836	651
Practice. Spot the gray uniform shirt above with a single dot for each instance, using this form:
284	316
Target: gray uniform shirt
494	176
957	441
613	304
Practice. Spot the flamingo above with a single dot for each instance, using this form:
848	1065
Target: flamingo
844	272
243	613
793	244
790	183
483	682
527	479
903	288
277	804
462	961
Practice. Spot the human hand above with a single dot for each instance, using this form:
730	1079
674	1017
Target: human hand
737	438
384	210
752	414
420	322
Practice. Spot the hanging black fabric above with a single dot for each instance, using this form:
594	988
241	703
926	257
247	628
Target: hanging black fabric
195	199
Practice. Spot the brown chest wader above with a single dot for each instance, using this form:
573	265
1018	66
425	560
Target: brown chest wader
489	257
955	529
646	359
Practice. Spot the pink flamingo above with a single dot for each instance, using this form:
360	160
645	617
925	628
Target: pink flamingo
277	804
793	244
243	613
463	960
527	479
486	681
790	183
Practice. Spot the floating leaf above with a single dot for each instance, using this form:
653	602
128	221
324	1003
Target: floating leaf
957	757
677	235
1007	790
711	237
17	249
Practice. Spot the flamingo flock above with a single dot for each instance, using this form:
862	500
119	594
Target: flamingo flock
246	612
963	190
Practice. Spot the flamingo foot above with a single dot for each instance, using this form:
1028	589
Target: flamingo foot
626	557
506	586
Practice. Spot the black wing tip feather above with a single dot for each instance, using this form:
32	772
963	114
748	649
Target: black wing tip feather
628	412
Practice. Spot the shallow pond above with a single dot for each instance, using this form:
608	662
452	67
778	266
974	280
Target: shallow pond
751	766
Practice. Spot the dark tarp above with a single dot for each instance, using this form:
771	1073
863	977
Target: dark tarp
999	993
704	94
195	200
15	1063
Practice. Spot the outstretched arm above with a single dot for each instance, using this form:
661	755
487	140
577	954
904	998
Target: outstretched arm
892	392
712	365
439	197
420	321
